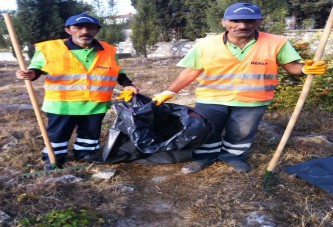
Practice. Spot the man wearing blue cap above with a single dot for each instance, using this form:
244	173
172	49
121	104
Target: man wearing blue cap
237	73
81	75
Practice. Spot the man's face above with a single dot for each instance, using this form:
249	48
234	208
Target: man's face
83	33
241	28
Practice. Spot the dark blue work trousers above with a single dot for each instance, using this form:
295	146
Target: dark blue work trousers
61	127
233	131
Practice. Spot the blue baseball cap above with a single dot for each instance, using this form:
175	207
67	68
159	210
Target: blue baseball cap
82	18
242	11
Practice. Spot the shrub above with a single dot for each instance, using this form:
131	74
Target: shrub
59	218
321	92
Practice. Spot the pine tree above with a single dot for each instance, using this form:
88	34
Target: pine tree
171	19
111	31
40	20
3	42
196	19
144	27
304	11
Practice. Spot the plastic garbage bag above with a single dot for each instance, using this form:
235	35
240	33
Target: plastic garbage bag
318	172
168	128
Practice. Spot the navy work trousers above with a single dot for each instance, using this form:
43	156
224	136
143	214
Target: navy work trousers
61	127
233	131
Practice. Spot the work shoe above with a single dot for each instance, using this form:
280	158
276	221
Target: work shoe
238	165
91	158
48	166
193	167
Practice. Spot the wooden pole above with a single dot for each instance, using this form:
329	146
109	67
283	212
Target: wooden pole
29	87
306	87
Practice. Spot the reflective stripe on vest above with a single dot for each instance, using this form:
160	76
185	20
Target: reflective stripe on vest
225	78
67	78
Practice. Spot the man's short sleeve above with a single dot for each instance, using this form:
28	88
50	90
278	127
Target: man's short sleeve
287	54
192	59
37	61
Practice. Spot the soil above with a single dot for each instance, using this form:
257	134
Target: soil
159	195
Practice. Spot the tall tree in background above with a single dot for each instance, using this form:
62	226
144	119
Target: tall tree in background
304	11
274	13
171	19
214	14
40	20
144	27
112	29
196	19
3	42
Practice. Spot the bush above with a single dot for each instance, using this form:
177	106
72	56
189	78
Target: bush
321	92
62	218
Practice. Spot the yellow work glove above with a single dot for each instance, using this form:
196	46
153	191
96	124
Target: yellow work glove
125	95
162	97
314	68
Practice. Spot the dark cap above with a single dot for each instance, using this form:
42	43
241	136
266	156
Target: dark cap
242	11
82	18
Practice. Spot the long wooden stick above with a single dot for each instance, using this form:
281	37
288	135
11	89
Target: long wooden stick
28	84
306	87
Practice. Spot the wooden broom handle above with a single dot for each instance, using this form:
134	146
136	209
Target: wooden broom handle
306	87
28	84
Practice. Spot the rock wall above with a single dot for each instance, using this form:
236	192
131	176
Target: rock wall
181	47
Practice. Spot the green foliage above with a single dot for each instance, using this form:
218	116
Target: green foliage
314	10
196	22
285	97
3	42
321	94
111	31
63	218
319	97
40	20
171	19
287	93
144	27
214	16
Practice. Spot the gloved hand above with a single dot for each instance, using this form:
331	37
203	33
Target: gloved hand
162	97
314	68
125	95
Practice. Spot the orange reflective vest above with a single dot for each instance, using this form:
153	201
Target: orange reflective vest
69	80
225	78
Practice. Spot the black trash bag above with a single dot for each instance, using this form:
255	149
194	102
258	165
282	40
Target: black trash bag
168	127
157	134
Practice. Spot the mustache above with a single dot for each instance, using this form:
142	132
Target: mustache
243	30
85	36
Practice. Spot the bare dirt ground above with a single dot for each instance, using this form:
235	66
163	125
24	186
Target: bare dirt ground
159	195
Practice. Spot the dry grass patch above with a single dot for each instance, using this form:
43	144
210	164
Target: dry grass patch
158	195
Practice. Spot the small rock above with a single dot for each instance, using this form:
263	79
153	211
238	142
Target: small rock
64	179
124	188
137	75
258	220
159	179
22	97
320	140
4	218
8	147
105	174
